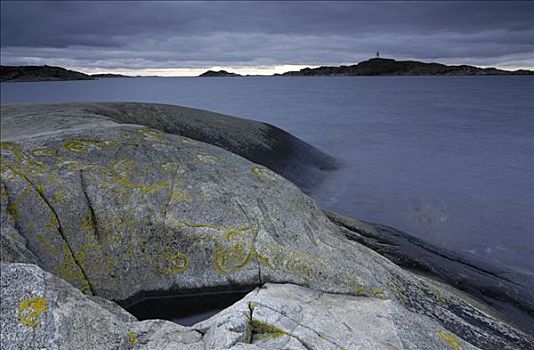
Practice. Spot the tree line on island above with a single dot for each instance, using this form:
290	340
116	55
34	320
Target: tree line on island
371	67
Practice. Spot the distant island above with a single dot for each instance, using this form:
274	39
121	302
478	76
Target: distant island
40	73
220	73
48	73
371	67
110	75
385	66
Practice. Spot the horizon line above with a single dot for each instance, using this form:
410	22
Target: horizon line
259	70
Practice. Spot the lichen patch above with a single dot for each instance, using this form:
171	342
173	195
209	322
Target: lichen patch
31	309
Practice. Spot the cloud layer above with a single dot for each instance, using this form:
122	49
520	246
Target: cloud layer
194	36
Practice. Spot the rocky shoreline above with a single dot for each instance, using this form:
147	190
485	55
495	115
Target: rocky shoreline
104	202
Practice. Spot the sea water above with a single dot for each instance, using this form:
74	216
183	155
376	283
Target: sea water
447	159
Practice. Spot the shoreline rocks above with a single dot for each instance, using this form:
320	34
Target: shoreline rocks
510	292
258	142
117	208
40	310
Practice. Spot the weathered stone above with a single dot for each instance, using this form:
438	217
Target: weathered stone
510	292
12	243
258	142
40	311
119	210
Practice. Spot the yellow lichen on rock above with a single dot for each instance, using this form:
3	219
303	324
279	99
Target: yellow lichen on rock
452	341
189	142
261	330
438	295
126	167
59	197
206	158
362	292
13	148
44	152
19	162
132	337
204	197
300	263
179	195
150	134
86	224
379	293
236	250
68	269
170	167
45	244
179	262
234	257
80	145
263	173
13	210
31	309
185	223
52	223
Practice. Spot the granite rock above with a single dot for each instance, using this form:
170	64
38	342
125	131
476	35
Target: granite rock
41	311
120	210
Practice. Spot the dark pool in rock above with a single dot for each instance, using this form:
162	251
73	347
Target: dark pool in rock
185	310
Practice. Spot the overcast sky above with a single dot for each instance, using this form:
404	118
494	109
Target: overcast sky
186	38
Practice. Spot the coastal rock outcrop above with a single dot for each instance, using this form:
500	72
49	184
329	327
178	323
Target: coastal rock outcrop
511	292
40	311
120	209
258	142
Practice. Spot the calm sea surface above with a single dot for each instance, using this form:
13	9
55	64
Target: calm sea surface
448	159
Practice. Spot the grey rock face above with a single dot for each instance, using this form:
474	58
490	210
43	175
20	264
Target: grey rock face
510	292
40	310
118	209
258	142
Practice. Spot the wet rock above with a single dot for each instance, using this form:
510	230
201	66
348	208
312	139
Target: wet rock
510	292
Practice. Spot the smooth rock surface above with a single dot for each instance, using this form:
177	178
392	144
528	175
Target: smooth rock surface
258	142
510	292
120	210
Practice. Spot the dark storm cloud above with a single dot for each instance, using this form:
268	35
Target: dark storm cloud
196	34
